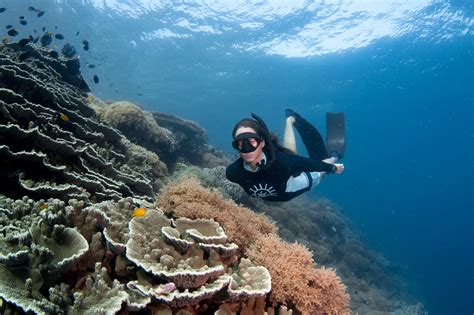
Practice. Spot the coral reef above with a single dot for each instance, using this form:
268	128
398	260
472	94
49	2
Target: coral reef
100	294
39	251
187	198
192	141
211	178
151	249
51	143
139	127
317	291
183	263
87	238
35	248
295	281
172	138
321	227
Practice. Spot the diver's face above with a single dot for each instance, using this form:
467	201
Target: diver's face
257	144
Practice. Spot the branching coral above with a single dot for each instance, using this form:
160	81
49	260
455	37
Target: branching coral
100	295
296	281
35	246
187	198
211	178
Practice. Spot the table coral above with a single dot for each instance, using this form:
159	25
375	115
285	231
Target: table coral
51	142
147	247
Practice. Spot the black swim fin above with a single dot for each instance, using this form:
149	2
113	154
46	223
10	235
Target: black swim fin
336	134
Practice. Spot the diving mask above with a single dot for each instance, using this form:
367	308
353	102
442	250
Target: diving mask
246	142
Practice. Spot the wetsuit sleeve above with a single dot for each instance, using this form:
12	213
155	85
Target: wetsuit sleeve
230	173
300	164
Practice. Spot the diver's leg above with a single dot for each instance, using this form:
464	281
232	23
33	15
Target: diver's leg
289	139
311	137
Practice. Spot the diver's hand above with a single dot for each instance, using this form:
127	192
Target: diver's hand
339	168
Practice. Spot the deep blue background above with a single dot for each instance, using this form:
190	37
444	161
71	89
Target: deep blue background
408	184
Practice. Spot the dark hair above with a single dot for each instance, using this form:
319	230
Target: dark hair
271	140
250	123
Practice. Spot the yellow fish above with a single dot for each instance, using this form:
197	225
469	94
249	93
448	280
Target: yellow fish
138	212
64	117
43	206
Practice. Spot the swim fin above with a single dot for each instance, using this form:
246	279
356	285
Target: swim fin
336	134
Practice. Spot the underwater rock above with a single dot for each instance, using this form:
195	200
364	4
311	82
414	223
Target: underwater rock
140	127
170	137
192	143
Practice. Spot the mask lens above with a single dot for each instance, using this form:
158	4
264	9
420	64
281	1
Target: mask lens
246	142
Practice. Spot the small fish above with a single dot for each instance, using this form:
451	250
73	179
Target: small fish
36	39
68	50
90	66
139	212
59	36
6	40
54	54
2	10
24	56
77	33
43	207
33	9
8	26
55	27
85	45
139	94
23	22
44	28
13	32
22	17
23	42
96	79
64	117
40	14
46	39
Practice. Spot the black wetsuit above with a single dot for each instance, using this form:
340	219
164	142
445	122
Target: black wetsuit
270	184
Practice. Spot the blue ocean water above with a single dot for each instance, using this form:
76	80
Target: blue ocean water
402	71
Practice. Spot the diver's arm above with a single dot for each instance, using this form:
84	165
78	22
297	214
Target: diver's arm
302	164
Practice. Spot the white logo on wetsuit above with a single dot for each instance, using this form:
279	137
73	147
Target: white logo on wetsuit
263	191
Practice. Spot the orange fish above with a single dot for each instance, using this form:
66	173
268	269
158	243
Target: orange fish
64	117
138	212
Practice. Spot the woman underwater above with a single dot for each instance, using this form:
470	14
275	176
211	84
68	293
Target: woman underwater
270	171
